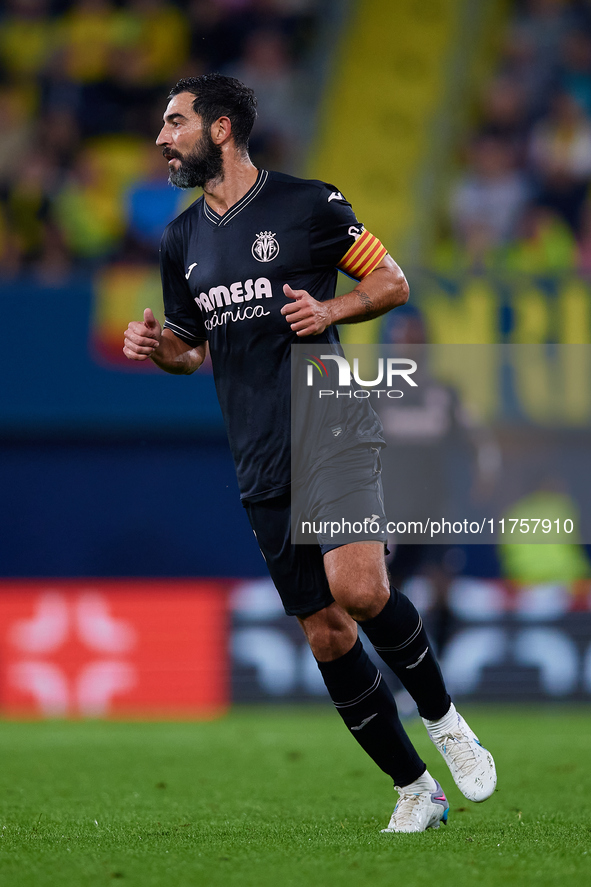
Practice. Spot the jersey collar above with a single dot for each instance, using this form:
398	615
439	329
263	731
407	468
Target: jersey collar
220	221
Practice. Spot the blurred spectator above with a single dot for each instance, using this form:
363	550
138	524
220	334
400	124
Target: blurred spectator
427	434
575	74
87	32
491	194
584	241
27	37
58	132
216	37
537	36
157	31
221	28
11	259
17	133
477	253
505	114
151	203
268	69
88	215
58	91
553	562
119	102
544	245
54	263
517	65
29	200
560	152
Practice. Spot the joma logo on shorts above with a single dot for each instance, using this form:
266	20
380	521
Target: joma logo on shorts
236	293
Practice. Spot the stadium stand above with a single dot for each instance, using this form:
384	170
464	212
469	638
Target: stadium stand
82	86
520	199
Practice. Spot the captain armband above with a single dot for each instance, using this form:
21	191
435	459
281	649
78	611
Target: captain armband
363	257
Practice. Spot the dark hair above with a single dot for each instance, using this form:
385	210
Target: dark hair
219	96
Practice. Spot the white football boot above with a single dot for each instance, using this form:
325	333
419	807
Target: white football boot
471	765
416	811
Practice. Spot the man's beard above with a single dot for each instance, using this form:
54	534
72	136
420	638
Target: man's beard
203	164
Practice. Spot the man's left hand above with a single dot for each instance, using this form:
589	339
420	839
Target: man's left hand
305	315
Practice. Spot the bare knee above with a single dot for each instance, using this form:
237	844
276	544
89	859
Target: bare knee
358	579
363	603
330	632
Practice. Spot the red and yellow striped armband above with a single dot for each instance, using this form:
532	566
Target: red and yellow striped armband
363	257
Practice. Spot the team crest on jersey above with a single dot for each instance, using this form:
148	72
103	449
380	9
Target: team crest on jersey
265	248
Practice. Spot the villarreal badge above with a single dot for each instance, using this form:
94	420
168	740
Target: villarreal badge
265	248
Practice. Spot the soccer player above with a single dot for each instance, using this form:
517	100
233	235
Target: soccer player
248	270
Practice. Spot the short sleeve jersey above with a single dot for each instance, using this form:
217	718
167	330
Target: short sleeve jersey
223	280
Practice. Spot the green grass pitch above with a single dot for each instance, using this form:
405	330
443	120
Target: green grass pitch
284	797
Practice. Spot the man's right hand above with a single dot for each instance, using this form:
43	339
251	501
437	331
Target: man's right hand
142	337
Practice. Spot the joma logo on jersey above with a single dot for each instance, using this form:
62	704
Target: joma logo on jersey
236	293
355	231
265	248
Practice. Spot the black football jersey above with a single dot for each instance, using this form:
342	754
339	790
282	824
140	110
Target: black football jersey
223	280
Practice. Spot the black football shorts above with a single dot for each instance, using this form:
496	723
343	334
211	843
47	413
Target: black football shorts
343	501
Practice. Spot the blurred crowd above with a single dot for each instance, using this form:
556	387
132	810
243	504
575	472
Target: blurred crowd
522	200
83	86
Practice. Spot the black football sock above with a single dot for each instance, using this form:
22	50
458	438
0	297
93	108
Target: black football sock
367	707
398	635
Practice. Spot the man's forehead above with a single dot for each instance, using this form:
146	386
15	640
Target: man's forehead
181	104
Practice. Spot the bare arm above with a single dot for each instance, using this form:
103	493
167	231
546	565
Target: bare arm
147	340
385	288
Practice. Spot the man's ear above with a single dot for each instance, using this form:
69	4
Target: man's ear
221	130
